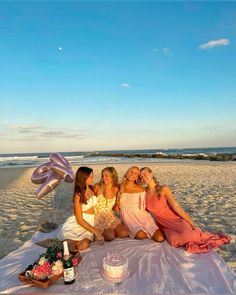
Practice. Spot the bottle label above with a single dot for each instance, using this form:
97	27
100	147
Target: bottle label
69	274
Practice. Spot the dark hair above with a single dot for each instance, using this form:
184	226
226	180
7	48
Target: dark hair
157	186
80	183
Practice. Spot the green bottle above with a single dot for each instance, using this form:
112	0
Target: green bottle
68	268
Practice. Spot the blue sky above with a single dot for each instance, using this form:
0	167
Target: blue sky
116	75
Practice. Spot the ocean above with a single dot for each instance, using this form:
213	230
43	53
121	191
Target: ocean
122	156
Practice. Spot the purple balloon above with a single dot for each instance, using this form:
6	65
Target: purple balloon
62	167
41	174
50	174
59	159
64	172
50	184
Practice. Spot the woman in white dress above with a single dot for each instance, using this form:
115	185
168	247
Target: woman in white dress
79	228
132	205
108	224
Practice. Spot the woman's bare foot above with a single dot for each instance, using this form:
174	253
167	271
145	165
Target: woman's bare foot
141	235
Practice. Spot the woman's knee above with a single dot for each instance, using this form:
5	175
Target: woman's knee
108	234
158	236
83	244
140	235
121	231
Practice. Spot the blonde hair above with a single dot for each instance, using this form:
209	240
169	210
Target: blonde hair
125	177
157	186
114	176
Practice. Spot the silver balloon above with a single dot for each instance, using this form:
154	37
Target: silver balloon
50	174
41	173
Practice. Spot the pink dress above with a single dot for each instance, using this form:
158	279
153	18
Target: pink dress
134	215
178	231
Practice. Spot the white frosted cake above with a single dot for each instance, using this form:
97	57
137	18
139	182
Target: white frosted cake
115	267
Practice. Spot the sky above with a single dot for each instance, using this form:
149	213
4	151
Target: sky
84	76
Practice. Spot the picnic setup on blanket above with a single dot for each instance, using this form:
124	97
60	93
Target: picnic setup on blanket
146	267
124	265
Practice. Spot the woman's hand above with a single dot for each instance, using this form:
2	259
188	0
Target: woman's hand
116	208
98	236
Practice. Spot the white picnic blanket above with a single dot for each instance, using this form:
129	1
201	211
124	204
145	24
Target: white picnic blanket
154	269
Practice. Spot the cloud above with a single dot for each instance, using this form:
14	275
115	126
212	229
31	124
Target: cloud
214	43
34	132
220	129
125	85
25	128
167	51
61	134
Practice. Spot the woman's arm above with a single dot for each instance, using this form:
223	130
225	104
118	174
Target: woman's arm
79	217
174	204
116	207
97	189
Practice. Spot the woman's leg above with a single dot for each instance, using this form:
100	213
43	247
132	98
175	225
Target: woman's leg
158	236
108	234
83	244
72	246
121	231
76	246
141	235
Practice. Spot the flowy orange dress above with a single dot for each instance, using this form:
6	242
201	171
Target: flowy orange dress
178	232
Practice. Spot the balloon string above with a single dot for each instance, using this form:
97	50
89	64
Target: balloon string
54	210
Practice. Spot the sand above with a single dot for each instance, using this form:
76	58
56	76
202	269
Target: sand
205	190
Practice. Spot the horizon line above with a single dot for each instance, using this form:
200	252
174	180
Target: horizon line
87	151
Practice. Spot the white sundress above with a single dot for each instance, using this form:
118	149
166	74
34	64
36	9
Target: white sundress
71	230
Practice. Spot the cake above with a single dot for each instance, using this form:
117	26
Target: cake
115	267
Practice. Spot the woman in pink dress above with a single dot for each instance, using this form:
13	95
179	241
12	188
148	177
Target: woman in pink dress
131	201
175	223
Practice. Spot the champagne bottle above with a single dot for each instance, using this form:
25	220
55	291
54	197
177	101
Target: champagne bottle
68	268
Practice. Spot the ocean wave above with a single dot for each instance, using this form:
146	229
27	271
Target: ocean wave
18	158
210	154
196	155
18	164
160	153
74	157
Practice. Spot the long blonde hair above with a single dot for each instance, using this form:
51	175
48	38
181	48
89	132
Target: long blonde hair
114	176
125	178
157	186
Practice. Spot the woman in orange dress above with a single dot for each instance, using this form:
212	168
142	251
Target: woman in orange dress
176	224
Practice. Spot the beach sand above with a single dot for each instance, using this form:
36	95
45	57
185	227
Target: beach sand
205	190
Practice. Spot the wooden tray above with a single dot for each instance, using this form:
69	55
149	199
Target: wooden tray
45	283
41	284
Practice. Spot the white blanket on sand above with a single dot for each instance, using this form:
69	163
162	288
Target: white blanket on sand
154	269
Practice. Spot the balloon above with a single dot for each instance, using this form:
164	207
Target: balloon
59	159
50	184
63	172
41	173
50	174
